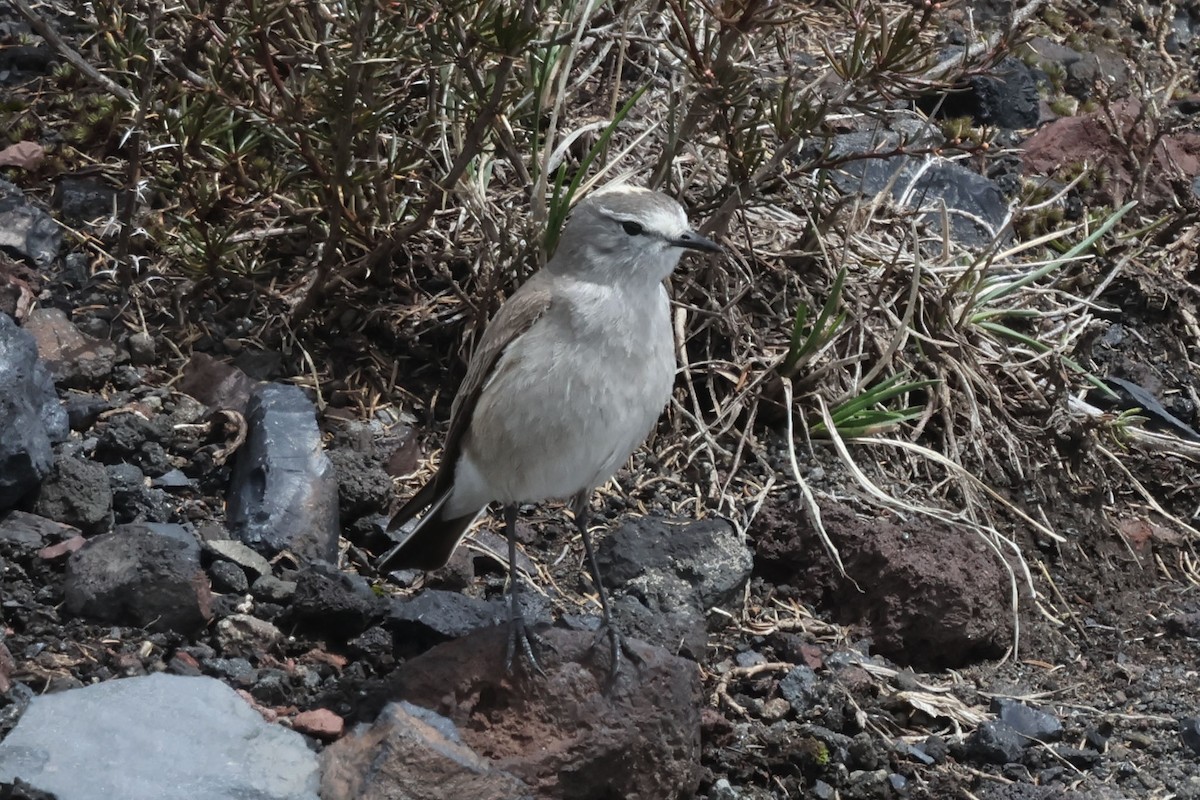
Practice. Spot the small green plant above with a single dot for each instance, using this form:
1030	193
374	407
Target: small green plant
807	341
867	414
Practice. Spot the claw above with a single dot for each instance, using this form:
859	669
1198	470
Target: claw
618	651
522	638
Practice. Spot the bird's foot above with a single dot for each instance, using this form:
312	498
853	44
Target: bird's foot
522	639
618	650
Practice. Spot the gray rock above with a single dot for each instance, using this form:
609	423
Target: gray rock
26	229
30	533
666	576
242	634
77	493
723	790
1028	721
799	688
173	479
141	348
31	417
240	554
413	753
975	205
156	736
1189	732
145	574
273	590
283	494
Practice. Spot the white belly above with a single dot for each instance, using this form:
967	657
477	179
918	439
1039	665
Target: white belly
564	413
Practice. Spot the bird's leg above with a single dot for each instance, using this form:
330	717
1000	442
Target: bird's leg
581	507
517	633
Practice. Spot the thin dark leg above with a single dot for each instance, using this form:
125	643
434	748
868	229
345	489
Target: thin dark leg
582	509
516	617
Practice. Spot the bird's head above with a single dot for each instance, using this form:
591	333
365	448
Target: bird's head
626	232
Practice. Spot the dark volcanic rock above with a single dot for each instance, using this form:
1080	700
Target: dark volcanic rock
83	200
26	229
994	742
568	734
283	494
145	574
929	595
666	576
29	532
1006	97
364	487
134	438
334	602
77	493
413	753
441	615
134	500
228	577
1189	732
31	417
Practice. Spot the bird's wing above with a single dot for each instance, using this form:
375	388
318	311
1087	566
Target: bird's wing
516	316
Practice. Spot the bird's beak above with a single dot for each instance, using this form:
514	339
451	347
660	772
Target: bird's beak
694	241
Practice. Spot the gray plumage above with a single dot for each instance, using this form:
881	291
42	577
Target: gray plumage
569	377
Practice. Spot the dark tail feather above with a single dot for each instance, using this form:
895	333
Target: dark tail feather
432	540
426	497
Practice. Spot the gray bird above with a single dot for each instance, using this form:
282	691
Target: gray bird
568	379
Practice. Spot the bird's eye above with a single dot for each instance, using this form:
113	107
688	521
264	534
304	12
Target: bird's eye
632	228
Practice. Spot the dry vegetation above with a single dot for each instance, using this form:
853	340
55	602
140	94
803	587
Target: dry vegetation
363	182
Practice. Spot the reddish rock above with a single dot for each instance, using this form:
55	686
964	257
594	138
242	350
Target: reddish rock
7	667
76	361
564	734
320	723
29	532
410	753
215	383
64	548
269	714
928	595
1068	143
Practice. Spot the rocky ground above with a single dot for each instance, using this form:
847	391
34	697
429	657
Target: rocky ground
186	537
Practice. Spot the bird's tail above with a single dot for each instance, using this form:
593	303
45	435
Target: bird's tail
431	541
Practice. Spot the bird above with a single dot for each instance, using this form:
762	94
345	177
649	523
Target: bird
568	379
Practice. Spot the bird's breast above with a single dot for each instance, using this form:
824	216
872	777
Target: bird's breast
565	410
